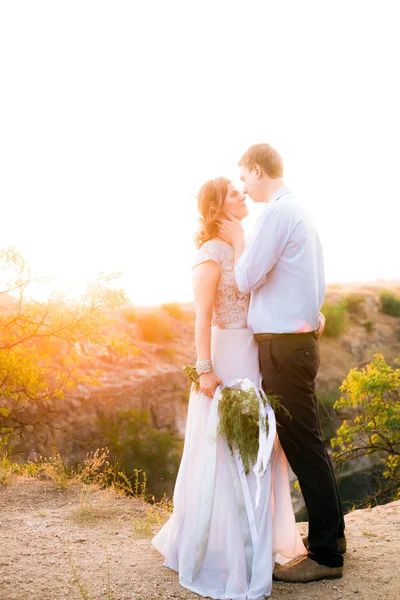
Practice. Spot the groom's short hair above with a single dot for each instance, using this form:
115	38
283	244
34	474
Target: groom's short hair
266	156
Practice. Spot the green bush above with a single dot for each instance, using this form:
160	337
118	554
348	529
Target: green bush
174	310
390	305
154	328
328	400
355	304
373	395
334	314
135	445
369	325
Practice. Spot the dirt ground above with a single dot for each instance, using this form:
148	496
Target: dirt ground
87	543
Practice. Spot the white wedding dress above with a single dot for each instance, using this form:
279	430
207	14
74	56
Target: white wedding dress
222	544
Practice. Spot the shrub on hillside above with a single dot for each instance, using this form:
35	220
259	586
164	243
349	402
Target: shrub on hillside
168	353
334	314
369	325
130	314
135	445
373	394
355	304
174	310
45	348
328	400
154	328
390	304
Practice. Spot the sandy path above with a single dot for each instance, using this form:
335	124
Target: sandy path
86	543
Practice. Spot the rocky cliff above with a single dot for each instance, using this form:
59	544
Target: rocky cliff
154	380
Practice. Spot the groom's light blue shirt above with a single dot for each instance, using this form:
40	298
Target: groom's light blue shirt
283	268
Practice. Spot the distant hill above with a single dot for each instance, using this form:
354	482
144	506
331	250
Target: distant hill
356	346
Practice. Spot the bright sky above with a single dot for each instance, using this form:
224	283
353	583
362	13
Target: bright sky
114	113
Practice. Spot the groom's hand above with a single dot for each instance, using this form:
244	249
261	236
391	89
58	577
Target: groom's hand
230	230
321	325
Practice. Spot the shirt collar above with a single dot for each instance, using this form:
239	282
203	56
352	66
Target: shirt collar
281	192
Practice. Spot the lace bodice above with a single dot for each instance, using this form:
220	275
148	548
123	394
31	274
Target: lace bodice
231	306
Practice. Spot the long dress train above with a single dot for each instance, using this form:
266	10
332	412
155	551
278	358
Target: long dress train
221	547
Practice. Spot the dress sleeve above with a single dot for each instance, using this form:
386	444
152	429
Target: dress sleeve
208	252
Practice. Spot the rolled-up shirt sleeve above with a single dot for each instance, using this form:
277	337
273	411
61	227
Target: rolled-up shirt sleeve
261	254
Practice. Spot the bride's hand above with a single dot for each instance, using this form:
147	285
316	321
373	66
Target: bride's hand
208	383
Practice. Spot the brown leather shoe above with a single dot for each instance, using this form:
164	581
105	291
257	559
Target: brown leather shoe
342	544
304	570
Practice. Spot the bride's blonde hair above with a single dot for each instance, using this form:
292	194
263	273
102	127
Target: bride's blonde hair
210	199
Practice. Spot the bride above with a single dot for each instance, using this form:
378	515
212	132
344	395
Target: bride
224	536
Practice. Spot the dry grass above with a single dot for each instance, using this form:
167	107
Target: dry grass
85	592
95	469
90	476
89	511
145	526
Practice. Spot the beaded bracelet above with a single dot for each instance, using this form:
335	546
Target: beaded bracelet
204	366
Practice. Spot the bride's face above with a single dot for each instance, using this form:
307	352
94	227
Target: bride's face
235	203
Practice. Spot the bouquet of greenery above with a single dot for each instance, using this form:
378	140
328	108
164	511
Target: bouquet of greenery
192	376
239	416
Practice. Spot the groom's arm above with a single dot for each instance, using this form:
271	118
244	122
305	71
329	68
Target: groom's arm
270	237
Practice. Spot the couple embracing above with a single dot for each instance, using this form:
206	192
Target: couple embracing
257	317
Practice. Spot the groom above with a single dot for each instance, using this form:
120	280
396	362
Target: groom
282	267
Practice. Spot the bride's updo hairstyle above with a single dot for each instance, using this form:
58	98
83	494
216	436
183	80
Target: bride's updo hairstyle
210	199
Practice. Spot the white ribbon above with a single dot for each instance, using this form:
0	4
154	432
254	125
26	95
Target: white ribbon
242	493
265	442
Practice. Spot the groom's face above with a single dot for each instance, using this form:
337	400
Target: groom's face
252	183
